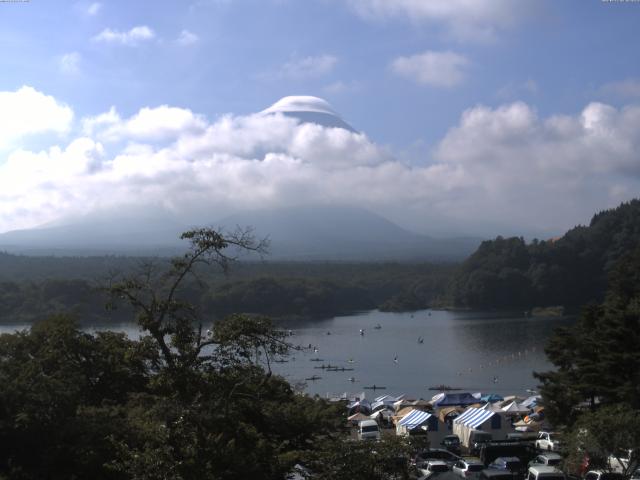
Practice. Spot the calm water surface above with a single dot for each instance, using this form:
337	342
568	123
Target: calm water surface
475	351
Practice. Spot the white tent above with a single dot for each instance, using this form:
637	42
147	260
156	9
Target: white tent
494	422
515	408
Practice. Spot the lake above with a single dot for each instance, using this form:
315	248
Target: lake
485	352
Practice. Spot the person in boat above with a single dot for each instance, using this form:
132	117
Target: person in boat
362	331
395	359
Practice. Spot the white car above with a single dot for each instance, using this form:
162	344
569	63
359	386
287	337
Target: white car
600	475
432	468
548	441
468	468
550	459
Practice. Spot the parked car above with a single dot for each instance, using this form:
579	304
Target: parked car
544	472
432	468
512	464
548	441
488	474
468	468
600	475
368	430
436	454
550	459
451	443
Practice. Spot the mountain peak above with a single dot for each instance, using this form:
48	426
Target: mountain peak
308	109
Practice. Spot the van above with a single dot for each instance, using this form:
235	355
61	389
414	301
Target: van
368	430
544	472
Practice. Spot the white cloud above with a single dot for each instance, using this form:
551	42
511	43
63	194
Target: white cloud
133	37
187	38
340	87
308	67
503	166
150	124
69	63
436	69
94	8
464	19
27	112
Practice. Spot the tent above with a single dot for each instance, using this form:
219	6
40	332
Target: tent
424	423
532	401
357	417
455	399
382	405
359	406
515	409
491	398
449	413
491	421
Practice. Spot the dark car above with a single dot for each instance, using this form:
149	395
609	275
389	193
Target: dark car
489	474
512	464
451	443
477	439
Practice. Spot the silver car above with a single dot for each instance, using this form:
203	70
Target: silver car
468	468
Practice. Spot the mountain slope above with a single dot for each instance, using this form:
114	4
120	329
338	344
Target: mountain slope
296	233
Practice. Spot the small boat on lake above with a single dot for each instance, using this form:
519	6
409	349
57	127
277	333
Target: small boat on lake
313	378
316	360
444	388
375	387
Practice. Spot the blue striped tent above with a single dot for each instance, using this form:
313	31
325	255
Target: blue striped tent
414	419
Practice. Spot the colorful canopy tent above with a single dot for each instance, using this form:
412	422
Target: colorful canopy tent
491	398
455	399
515	409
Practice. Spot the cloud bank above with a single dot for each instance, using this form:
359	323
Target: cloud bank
436	69
498	168
463	19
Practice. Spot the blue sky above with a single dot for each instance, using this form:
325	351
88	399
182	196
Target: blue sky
478	116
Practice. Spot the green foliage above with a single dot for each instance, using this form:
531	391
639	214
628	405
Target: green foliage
598	359
347	459
179	403
609	438
570	271
275	289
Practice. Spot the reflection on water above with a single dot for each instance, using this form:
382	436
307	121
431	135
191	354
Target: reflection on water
475	351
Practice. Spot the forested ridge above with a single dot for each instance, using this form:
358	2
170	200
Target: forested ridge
569	271
33	288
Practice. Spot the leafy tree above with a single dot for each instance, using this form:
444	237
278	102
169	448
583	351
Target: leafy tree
180	403
347	459
609	438
598	359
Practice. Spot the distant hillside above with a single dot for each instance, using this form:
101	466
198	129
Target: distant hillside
296	233
569	271
345	233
